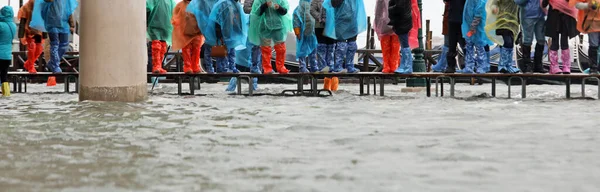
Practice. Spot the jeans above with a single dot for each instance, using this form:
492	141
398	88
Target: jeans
59	43
594	39
531	27
404	40
509	41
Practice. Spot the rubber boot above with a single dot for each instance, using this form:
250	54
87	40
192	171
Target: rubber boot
157	57
256	69
322	58
526	59
327	83
266	59
395	53
554	69
386	49
565	56
222	64
340	53
231	62
538	65
330	59
482	60
186	52
350	53
232	85
302	68
451	59
32	49
406	64
335	82
280	58
442	63
5	89
208	61
506	61
54	63
195	53
469	59
593	53
312	62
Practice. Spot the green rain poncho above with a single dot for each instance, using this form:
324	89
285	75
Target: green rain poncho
159	13
270	25
506	18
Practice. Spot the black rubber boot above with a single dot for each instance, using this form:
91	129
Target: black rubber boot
451	59
593	53
526	59
538	65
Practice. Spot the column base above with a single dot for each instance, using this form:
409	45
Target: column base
134	93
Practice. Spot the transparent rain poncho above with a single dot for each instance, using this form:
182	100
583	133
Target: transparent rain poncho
382	19
303	20
230	15
505	18
185	27
346	21
269	25
202	10
159	20
475	9
52	17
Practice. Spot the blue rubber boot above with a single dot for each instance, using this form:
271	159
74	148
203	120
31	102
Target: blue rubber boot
406	63
232	85
340	54
469	59
54	63
322	57
482	60
350	53
442	63
222	64
208	62
256	60
329	59
255	83
302	68
506	61
312	62
231	62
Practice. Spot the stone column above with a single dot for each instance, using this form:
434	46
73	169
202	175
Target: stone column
113	53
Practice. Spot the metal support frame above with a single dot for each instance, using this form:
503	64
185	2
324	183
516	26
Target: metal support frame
523	86
314	90
568	87
437	82
239	84
68	82
494	87
584	80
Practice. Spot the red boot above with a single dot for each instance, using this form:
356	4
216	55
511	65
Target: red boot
187	59
196	45
157	57
266	59
32	55
280	58
385	50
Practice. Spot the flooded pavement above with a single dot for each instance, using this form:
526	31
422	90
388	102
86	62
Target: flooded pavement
401	142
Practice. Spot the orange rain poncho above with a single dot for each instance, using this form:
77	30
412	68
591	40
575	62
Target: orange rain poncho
25	12
588	21
185	27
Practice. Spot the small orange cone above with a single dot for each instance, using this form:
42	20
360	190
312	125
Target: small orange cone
327	84
51	81
334	83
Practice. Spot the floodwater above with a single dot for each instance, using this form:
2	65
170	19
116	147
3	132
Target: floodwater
401	142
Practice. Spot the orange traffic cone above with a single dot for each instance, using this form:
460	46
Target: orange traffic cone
51	81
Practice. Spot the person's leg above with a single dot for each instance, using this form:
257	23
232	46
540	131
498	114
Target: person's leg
454	35
553	55
469	58
350	53
312	61
565	54
330	55
386	51
528	32
196	46
538	66
64	44
231	61
255	59
441	64
53	64
594	39
4	64
406	64
39	49
31	50
341	47
321	49
507	55
208	60
266	51
186	52
395	53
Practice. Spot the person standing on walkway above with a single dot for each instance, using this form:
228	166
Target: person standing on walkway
560	26
325	46
455	36
270	22
30	37
533	19
187	37
304	29
345	20
588	21
502	26
8	31
442	63
390	44
474	18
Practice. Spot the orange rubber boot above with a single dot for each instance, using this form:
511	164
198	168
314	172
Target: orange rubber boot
395	53
157	57
280	58
32	48
266	59
197	44
335	82
327	83
187	59
386	51
51	81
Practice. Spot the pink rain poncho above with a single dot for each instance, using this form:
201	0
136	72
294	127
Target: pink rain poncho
413	34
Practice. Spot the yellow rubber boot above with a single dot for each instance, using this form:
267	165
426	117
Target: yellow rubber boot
5	89
334	83
327	84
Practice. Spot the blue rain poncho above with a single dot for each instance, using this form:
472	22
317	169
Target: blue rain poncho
230	15
346	21
475	9
202	10
270	25
52	17
303	20
159	25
